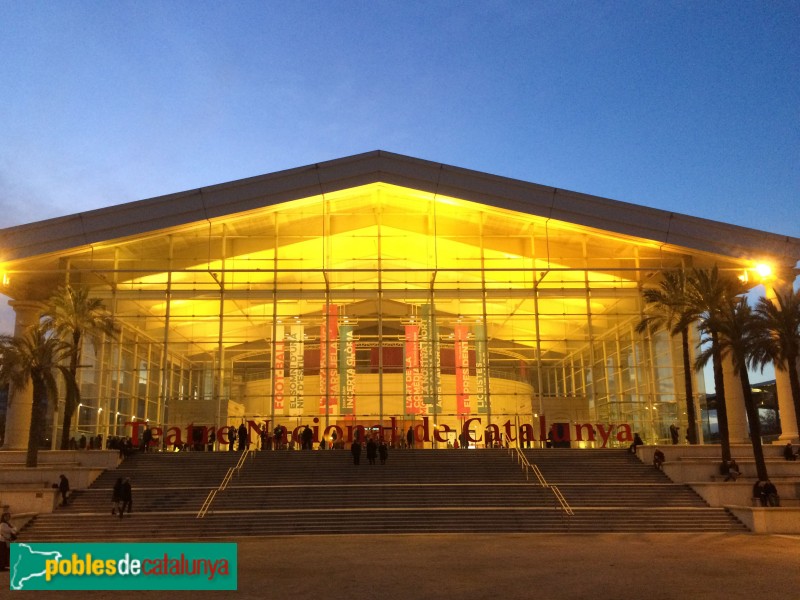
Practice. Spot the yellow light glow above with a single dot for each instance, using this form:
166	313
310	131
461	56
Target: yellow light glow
764	270
5	278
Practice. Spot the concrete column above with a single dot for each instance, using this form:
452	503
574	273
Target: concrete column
20	400
783	388
734	402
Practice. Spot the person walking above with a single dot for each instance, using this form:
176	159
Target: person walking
231	437
126	496
372	451
278	436
243	442
264	433
410	438
116	497
355	448
63	488
383	451
307	438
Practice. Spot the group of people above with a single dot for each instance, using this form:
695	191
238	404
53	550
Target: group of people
375	450
766	493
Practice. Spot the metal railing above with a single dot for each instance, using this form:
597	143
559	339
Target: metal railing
225	481
529	467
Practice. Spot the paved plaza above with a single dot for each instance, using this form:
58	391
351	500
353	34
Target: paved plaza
506	567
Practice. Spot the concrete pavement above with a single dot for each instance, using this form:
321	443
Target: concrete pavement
506	567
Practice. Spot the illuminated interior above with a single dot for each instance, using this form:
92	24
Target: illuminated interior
373	302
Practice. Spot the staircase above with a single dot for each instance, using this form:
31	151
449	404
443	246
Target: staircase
416	491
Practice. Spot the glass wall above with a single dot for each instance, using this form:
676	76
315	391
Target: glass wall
380	305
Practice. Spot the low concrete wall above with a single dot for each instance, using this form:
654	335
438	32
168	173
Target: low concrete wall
102	459
686	464
768	520
40	500
710	451
79	477
740	493
31	490
688	470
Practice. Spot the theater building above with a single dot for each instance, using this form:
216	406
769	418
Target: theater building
377	289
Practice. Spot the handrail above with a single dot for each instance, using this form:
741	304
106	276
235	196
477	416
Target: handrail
224	484
527	465
207	503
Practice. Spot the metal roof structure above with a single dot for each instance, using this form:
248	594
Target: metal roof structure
162	213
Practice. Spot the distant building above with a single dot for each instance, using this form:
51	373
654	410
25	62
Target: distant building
766	398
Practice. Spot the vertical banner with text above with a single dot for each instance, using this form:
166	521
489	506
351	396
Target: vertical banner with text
481	369
430	360
413	376
328	368
278	366
296	369
347	369
461	347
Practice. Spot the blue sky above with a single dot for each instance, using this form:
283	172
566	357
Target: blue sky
686	106
692	107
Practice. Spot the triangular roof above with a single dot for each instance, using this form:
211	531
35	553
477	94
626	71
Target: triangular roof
666	228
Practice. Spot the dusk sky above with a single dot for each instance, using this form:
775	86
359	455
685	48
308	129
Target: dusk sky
692	107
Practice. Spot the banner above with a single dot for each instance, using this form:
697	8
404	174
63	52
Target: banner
413	375
123	566
347	369
278	366
328	348
461	347
296	366
481	369
430	362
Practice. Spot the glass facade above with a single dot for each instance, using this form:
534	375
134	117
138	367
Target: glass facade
377	304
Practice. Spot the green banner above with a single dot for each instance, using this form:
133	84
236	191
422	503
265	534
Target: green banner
123	566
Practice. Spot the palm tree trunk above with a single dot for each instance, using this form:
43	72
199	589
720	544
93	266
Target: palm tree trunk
755	425
691	430
794	384
66	423
70	402
38	409
722	412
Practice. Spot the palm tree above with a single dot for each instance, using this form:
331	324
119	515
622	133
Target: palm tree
739	336
707	293
781	344
73	315
35	356
666	308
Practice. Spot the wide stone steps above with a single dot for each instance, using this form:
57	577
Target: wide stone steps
302	492
226	525
560	465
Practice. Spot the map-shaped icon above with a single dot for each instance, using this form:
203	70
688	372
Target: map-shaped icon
28	564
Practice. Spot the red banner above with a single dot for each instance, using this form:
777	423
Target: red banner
278	366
